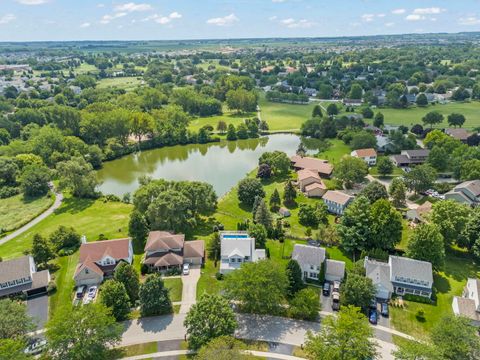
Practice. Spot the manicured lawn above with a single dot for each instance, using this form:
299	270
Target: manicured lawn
127	83
336	151
413	115
85	68
448	283
284	116
175	286
208	283
91	218
16	211
230	117
64	281
140	349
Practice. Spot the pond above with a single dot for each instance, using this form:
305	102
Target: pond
221	164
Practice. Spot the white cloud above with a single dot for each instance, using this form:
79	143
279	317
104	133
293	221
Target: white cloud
175	15
32	2
381	15
273	18
131	7
5	19
389	24
223	21
368	17
415	17
428	11
100	5
163	20
293	24
399	11
279	1
85	25
469	20
107	18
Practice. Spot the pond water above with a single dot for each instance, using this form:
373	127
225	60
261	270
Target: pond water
220	164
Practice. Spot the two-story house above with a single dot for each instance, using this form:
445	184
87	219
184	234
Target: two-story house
98	260
468	305
321	167
367	155
237	247
310	183
337	201
165	250
401	276
20	276
467	193
410	157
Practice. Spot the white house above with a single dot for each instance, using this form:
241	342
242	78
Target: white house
237	247
310	259
468	304
334	270
367	155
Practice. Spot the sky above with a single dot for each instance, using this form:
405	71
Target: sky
53	20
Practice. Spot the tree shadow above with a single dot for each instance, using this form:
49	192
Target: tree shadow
74	205
30	199
441	283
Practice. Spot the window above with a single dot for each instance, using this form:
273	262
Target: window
87	271
311	267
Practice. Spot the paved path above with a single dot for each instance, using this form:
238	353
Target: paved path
264	354
189	289
27	226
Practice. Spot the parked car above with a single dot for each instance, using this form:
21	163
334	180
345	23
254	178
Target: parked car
80	291
326	288
92	292
336	286
372	316
335	301
384	309
186	269
35	347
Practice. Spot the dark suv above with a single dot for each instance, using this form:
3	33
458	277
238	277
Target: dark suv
326	288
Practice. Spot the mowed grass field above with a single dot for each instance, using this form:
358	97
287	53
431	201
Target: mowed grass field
127	83
230	117
16	211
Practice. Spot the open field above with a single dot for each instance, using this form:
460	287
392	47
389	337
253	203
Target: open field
85	68
16	211
284	117
230	117
126	83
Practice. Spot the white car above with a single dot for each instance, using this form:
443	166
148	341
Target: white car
186	269
92	292
35	347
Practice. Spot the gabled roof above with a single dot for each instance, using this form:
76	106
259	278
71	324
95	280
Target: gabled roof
306	173
15	269
473	186
316	185
318	165
337	197
335	268
195	248
239	246
459	133
164	240
167	259
96	251
308	255
365	152
379	272
410	269
89	264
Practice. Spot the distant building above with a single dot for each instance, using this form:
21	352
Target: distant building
458	133
418	215
410	157
352	102
337	201
367	155
467	192
237	247
468	305
20	276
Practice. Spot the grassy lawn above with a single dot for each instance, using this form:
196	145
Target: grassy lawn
175	286
228	116
207	282
284	116
64	281
86	68
140	349
127	83
336	151
448	283
16	211
413	115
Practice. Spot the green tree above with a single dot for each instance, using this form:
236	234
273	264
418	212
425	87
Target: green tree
128	276
114	295
346	336
421	178
13	349
224	348
351	170
421	100
263	215
258	287
356	92
289	194
363	140
8	171
14	320
4	137
398	192
67	333
312	215
438	158
470	169
332	109
470	236
248	189
222	127
358	290
451	218
374	191
214	247
210	318
295	280
170	211
278	161
427	244
378	120
42	251
456	119
305	305
241	100
35	180
154	297
138	227
384	166
355	228
259	233
231	133
65	237
141	124
432	118
77	176
414	350
386	225
275	201
317	111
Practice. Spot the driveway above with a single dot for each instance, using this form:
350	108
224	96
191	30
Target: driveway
189	290
38	309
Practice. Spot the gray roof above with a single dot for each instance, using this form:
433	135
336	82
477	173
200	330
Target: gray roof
15	269
417	152
379	272
308	255
411	269
238	247
335	268
473	186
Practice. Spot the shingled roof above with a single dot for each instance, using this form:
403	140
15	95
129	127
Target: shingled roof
164	240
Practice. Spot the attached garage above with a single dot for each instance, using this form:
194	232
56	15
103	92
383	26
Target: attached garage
194	252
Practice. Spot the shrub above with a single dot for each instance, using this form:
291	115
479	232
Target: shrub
219	276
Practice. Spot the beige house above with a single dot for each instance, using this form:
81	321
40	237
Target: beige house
367	155
468	304
321	167
310	183
98	260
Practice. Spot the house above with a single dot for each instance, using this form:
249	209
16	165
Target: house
237	247
98	260
410	157
468	305
367	155
321	167
284	212
20	276
310	258
401	276
352	102
334	270
337	201
310	92
165	250
384	143
467	192
310	183
459	134
419	214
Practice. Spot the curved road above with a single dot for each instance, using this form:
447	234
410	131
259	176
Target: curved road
56	204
